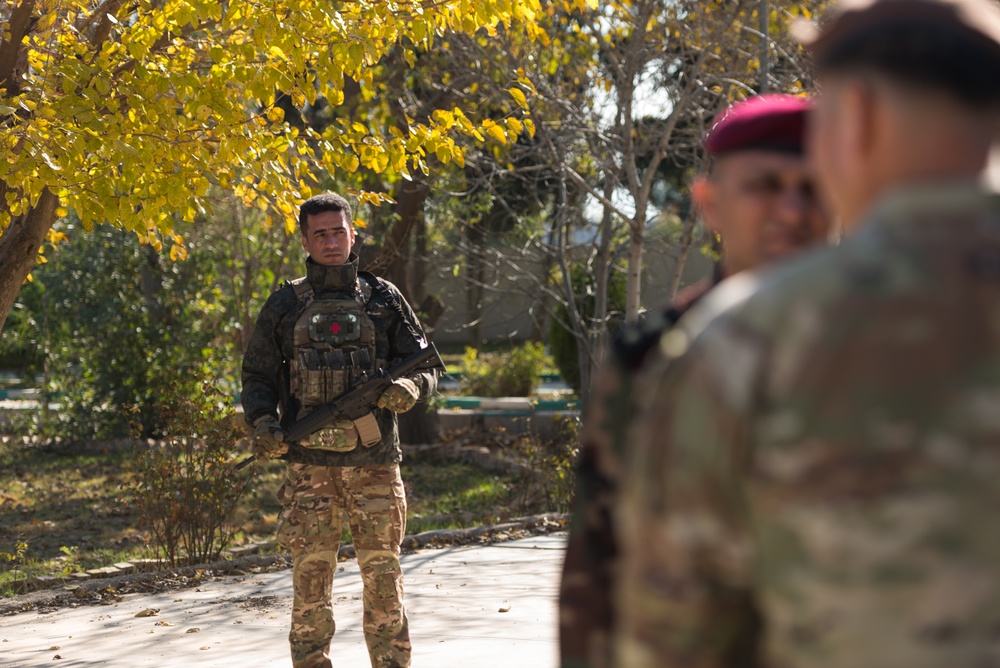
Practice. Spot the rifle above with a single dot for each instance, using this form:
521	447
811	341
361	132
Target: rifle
360	401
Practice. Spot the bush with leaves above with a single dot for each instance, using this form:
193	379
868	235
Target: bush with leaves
17	556
548	479
111	323
504	374
186	488
564	344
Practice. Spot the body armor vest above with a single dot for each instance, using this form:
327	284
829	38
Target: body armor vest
334	351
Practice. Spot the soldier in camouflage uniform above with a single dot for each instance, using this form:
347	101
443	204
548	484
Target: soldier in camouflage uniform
758	197
314	339
814	478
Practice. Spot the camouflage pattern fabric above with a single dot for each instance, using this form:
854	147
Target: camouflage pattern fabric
399	397
266	385
813	481
586	614
314	501
340	436
335	476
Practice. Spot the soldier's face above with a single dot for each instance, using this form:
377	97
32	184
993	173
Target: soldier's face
329	238
763	205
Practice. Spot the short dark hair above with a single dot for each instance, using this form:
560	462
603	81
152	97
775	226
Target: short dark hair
320	203
915	54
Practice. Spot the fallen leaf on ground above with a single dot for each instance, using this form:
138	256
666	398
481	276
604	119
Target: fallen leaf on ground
148	612
194	630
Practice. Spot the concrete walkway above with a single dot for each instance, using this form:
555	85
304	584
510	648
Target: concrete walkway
469	606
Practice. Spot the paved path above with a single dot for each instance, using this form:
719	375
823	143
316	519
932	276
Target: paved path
454	596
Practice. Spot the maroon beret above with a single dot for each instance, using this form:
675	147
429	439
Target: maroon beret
765	122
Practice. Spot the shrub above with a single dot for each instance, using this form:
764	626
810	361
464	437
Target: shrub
549	479
108	323
506	374
187	489
18	558
563	343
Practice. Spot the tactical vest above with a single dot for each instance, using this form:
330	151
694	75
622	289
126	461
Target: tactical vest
334	351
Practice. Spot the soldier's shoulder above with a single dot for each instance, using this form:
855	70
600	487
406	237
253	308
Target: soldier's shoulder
284	296
378	283
761	300
633	342
383	291
746	314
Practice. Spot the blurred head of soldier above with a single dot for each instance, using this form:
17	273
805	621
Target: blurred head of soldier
758	193
327	231
910	91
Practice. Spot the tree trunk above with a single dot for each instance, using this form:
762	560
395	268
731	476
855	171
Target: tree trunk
19	248
419	426
430	311
633	284
390	260
687	237
602	278
476	274
419	262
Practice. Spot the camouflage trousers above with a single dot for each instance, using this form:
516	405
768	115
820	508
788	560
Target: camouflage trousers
315	500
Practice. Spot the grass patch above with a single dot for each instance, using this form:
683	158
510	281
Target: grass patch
445	496
71	511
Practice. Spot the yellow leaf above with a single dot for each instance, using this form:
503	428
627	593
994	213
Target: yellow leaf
276	114
530	126
358	222
178	252
497	133
445	118
518	95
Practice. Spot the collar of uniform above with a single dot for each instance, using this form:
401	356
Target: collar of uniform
343	277
919	201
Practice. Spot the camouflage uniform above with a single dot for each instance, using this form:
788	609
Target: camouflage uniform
586	613
770	129
813	480
322	485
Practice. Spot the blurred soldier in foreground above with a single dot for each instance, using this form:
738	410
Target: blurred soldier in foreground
814	475
314	339
758	196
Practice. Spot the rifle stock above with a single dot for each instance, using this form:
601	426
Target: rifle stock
358	402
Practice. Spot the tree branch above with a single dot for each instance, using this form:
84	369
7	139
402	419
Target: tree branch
595	194
21	22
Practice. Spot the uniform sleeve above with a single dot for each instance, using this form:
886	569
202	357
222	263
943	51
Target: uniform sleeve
685	595
586	616
263	364
402	344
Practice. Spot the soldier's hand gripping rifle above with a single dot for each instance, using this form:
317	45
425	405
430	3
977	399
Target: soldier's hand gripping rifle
360	401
